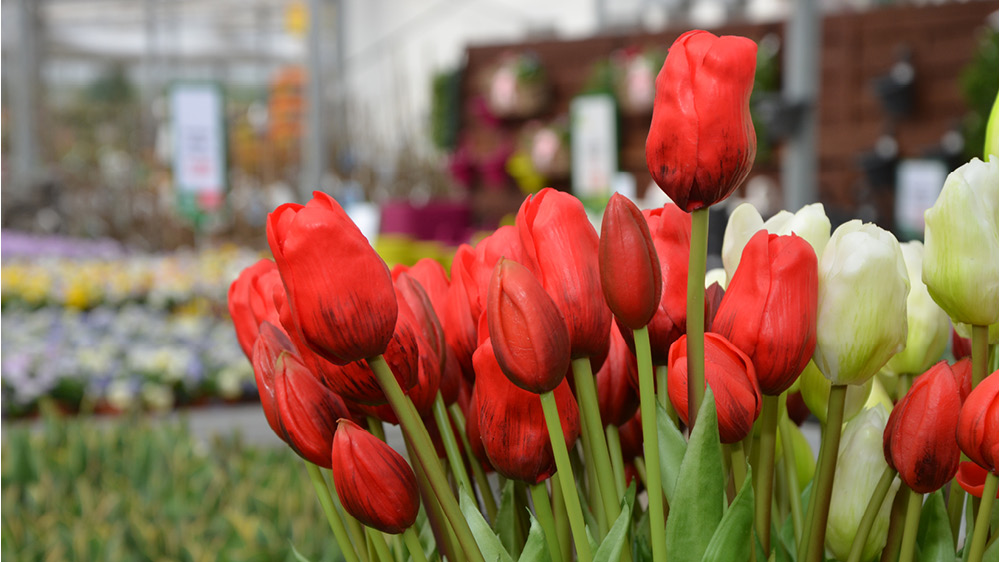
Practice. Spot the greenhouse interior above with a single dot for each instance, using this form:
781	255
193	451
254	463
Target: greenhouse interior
281	280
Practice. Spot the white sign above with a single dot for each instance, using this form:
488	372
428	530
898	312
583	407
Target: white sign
918	184
594	145
196	112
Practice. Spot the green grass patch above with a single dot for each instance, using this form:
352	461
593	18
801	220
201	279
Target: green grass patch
136	489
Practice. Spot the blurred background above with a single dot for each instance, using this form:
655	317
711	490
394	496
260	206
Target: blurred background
145	141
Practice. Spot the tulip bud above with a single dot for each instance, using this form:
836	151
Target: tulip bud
373	482
919	439
630	269
528	332
701	141
339	289
246	324
459	319
769	309
730	373
714	294
963	376
617	383
410	290
978	429
512	423
271	343
560	247
862	303
860	464
815	390
962	250
927	325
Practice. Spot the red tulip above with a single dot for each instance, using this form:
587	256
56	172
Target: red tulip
472	431
798	412
459	319
339	289
373	482
411	291
434	279
630	435
730	373
701	142
630	269
670	228
769	309
528	332
560	246
297	407
972	478
919	438
512	424
617	381
960	347
713	300
978	426
245	322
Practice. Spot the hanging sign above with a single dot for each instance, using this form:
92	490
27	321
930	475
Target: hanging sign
199	142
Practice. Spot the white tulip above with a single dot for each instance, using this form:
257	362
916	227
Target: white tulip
928	328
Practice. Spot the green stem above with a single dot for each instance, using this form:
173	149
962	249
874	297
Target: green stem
443	533
543	511
909	545
566	480
617	463
651	444
696	312
894	534
376	428
738	464
980	353
660	376
956	502
977	544
765	470
378	544
332	515
792	476
485	490
413	545
560	516
424	449
586	393
640	469
874	506
824	472
451	446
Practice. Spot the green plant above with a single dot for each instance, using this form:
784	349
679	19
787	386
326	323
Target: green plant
141	489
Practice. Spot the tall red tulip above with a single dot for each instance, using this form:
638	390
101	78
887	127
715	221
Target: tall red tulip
560	246
528	332
630	269
769	309
730	373
919	439
460	320
701	141
373	482
512	424
240	309
978	425
339	289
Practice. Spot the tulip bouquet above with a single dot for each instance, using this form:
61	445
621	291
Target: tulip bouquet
579	368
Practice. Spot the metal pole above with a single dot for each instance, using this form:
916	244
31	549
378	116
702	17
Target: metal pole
314	145
23	53
801	84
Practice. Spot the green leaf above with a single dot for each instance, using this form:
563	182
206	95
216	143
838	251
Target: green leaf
672	447
535	548
700	489
488	542
611	547
504	525
298	555
641	547
934	535
991	551
731	540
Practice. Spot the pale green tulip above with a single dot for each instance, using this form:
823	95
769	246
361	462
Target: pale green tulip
860	465
927	325
743	223
961	264
992	132
716	275
861	319
809	223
